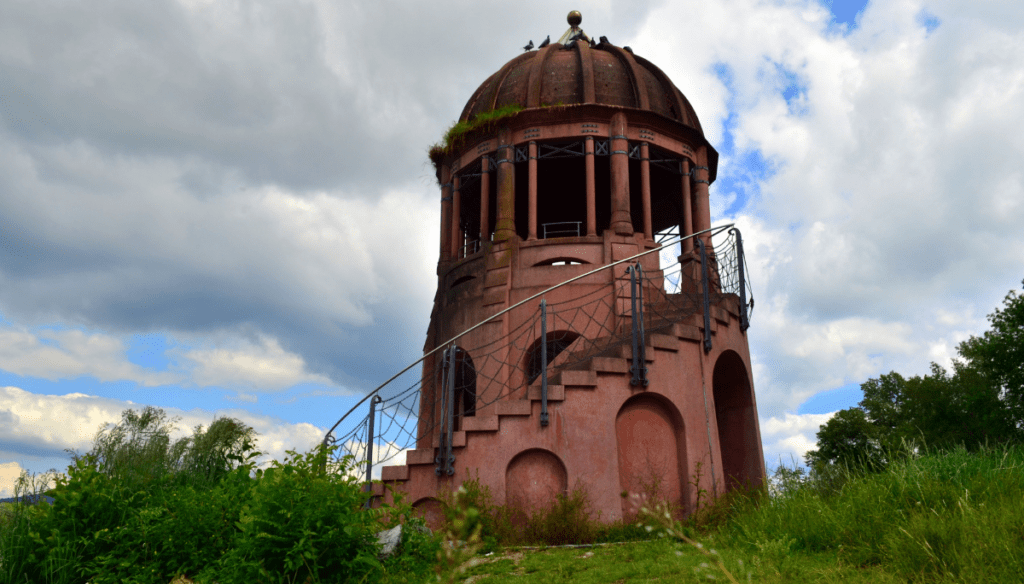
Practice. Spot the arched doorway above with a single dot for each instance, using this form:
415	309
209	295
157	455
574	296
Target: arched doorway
652	453
737	423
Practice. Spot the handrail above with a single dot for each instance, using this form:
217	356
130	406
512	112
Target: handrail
711	231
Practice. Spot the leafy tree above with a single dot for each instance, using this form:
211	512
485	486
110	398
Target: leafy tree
999	353
139	453
981	402
849	439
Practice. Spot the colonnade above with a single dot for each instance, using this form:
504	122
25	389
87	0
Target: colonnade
696	215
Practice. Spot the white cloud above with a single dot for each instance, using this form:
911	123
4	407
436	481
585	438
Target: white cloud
69	354
891	215
787	438
263	366
37	425
9	474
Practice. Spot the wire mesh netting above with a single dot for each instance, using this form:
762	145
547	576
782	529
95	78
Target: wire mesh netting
423	407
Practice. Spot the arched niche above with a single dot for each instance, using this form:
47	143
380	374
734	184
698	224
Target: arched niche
737	423
431	511
533	479
652	452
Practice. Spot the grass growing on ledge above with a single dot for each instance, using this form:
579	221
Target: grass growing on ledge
455	137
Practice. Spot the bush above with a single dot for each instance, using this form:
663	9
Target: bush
200	508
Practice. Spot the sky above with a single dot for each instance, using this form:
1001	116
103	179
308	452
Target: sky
225	208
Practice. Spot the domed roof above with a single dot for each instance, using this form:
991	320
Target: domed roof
578	73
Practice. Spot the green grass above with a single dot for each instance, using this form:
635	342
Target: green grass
952	516
943	517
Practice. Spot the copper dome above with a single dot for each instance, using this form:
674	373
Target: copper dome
581	74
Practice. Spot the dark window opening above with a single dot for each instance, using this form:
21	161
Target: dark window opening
469	211
666	190
636	197
558	341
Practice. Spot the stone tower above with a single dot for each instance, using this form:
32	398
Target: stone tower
633	378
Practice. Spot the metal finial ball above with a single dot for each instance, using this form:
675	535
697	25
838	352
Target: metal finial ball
575	18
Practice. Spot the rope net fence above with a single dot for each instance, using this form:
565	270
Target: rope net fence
423	407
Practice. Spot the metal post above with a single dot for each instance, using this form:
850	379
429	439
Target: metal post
744	317
639	367
639	270
369	449
443	460
449	460
543	363
704	290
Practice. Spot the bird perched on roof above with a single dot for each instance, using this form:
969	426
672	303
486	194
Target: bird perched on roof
627	49
528	46
545	42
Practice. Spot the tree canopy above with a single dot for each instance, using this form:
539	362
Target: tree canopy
980	402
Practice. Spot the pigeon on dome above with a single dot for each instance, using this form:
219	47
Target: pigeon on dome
575	32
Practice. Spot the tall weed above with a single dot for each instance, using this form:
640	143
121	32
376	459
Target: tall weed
936	515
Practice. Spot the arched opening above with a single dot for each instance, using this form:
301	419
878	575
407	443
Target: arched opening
561	262
533	479
470	181
558	341
652	453
737	423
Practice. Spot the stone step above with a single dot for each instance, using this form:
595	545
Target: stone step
514	407
478	424
555	393
575	378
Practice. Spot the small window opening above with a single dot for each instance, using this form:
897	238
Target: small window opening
561	262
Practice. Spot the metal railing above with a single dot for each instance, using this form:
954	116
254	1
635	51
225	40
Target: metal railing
652	307
561	229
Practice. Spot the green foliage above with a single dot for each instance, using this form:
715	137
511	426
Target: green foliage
140	508
302	523
998	353
570	519
455	137
981	402
941	515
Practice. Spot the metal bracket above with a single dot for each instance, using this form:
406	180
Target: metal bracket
636	293
704	291
740	268
369	448
543	363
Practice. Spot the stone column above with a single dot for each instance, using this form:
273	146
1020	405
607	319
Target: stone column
446	212
485	200
531	163
457	238
686	228
505	220
702	210
645	188
622	223
588	156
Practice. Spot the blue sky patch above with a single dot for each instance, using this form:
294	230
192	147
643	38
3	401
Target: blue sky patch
832	400
929	21
149	351
846	11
